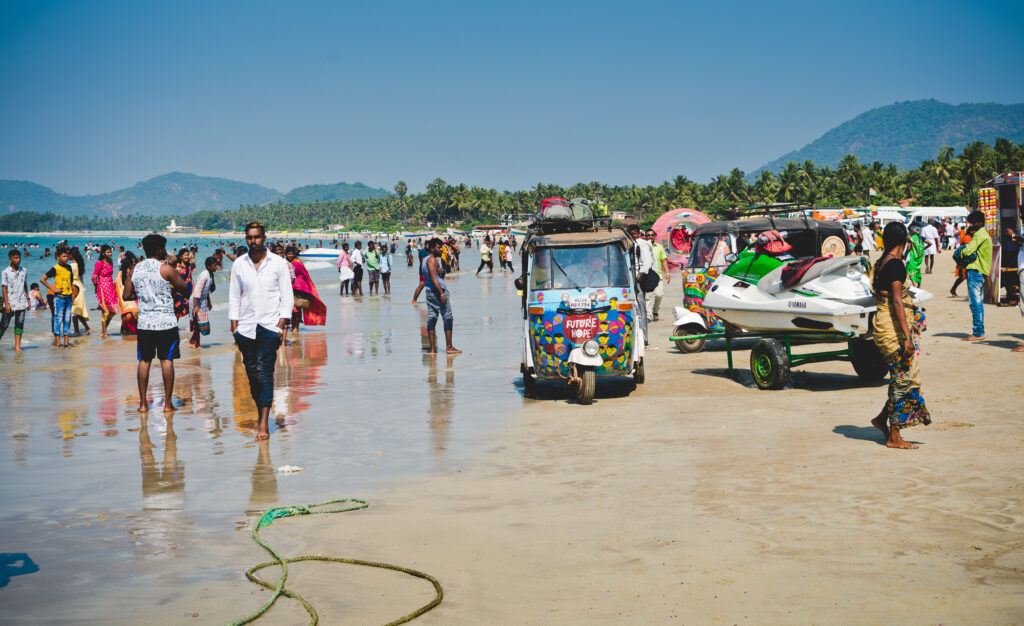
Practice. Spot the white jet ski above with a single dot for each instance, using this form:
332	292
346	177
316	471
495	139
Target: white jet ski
770	291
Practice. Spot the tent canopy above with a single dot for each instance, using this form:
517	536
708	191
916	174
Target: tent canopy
938	211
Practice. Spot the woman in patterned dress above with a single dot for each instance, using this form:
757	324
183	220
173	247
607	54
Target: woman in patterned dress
106	293
79	309
897	332
129	308
184	267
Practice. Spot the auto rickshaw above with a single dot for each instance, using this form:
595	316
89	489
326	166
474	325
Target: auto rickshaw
579	316
715	241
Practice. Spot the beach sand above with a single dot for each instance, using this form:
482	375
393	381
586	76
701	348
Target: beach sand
695	499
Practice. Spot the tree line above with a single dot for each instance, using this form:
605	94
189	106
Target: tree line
950	179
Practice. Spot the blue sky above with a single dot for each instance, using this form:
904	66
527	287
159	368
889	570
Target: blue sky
99	95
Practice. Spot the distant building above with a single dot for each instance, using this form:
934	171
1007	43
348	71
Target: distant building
173	229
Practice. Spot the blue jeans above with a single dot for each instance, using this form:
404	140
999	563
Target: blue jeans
975	292
435	309
259	356
62	315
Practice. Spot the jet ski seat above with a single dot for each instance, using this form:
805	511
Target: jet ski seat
803	271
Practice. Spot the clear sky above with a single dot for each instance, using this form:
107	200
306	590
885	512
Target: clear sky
99	95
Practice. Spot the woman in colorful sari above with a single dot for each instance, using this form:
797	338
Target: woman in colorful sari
200	301
103	280
915	255
315	312
898	326
184	267
129	308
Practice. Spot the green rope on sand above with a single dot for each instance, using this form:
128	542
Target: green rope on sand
279	590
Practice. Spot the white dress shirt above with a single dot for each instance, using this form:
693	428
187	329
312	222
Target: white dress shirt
259	297
644	256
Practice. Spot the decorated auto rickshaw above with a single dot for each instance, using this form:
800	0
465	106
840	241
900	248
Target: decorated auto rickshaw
579	316
711	253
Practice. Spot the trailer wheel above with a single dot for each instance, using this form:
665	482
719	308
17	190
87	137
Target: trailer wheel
689	345
638	372
585	390
769	364
867	360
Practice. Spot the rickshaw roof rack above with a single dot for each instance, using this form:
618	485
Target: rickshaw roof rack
550	227
775	207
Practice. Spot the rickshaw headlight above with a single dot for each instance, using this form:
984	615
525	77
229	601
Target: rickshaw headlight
591	347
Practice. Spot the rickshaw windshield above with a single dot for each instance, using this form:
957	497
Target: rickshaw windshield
576	268
709	251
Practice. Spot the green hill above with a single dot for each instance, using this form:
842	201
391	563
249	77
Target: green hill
341	191
176	193
907	133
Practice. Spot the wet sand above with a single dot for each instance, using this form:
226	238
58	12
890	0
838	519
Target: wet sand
695	499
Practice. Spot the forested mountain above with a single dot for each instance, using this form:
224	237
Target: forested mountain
341	191
907	133
176	194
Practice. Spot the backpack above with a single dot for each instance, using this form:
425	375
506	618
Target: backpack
962	260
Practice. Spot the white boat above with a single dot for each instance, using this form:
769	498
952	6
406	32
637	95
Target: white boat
320	254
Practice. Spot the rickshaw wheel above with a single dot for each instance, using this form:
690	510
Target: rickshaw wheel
588	383
867	360
769	364
529	385
638	373
691	345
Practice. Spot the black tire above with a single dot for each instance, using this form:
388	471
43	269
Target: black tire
692	345
529	385
638	373
769	364
867	360
585	390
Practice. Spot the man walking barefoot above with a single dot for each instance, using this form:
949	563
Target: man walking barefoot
438	300
259	307
150	282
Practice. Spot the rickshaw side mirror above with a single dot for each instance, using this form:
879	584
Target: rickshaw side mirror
730	258
519	283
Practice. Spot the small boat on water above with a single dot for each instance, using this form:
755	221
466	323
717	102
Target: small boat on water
320	254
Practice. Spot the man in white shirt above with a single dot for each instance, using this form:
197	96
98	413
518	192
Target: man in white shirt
259	306
644	264
930	233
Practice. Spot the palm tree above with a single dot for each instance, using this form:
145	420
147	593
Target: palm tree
766	186
789	182
401	188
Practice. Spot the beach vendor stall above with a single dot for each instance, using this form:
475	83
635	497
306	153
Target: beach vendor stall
675	231
1000	201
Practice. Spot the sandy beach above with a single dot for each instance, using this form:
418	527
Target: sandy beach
695	499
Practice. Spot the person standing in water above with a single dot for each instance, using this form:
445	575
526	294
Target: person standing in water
150	282
438	299
260	307
357	260
373	267
386	262
79	309
62	291
897	330
103	280
14	298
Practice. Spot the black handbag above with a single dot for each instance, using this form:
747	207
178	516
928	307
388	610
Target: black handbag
649	281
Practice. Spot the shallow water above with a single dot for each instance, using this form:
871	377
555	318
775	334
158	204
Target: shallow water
97	498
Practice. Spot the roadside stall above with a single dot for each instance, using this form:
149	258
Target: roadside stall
1000	201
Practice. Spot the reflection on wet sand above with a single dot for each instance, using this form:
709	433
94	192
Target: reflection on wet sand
264	478
163	491
442	401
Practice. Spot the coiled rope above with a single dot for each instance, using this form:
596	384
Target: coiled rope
279	589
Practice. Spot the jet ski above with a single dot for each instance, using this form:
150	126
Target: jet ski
765	289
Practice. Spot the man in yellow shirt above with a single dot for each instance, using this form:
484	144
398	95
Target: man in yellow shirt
977	272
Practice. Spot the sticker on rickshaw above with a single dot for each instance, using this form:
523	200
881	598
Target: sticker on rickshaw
580	328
